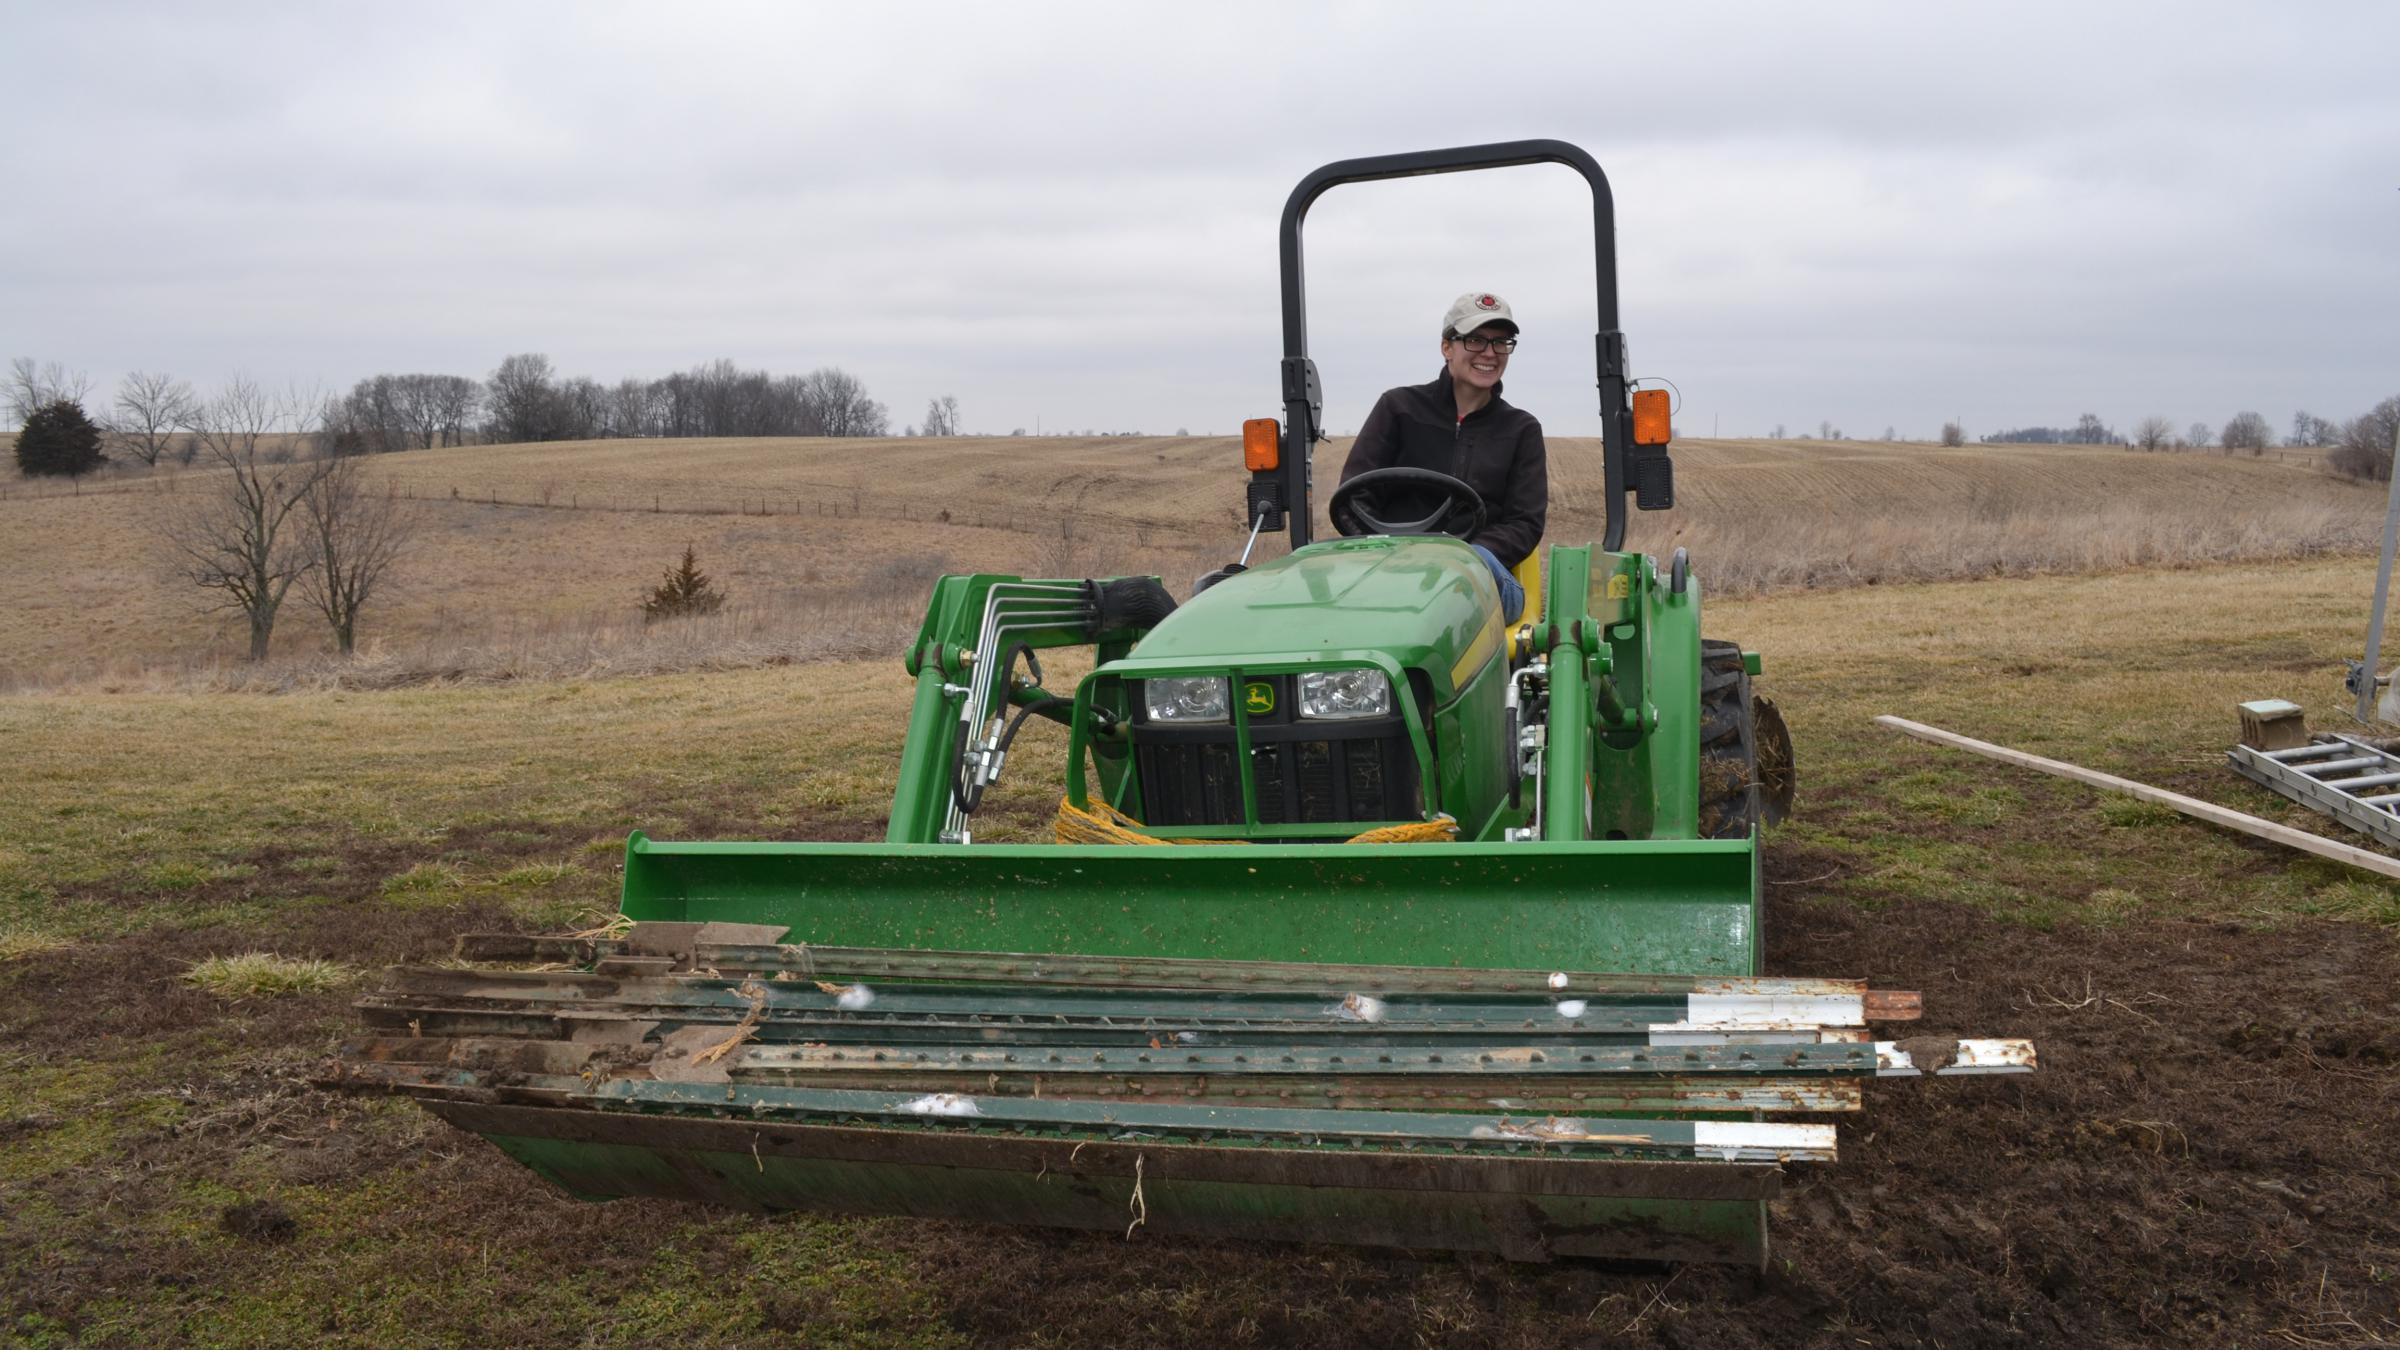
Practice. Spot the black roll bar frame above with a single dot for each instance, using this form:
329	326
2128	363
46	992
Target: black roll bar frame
1285	490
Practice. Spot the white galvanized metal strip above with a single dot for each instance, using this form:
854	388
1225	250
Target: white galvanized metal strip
1766	1030
1751	1141
1741	1010
1991	1056
1667	1034
1963	1057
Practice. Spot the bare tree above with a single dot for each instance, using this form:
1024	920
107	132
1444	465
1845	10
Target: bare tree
2366	447
240	535
524	403
634	407
2201	437
33	386
2153	433
355	534
454	399
2247	431
2310	429
839	404
150	409
582	409
941	416
1953	434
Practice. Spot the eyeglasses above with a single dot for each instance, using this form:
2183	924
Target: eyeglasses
1474	343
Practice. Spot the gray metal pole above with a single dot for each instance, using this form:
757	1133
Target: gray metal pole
2383	590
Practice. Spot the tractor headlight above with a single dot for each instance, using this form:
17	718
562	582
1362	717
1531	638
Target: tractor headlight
1186	698
1334	694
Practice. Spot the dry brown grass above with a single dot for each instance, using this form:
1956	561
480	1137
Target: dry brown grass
531	561
1766	515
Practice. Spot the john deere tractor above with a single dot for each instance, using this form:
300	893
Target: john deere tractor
1372	917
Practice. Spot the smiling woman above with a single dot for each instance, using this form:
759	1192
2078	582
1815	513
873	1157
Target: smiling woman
1459	426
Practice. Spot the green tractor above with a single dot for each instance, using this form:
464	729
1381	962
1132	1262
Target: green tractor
1373	918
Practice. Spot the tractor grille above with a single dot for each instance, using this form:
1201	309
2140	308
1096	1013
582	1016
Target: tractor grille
1303	772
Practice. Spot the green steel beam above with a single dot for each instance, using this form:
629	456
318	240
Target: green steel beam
697	946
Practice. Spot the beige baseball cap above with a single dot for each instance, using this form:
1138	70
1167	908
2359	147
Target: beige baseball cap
1475	309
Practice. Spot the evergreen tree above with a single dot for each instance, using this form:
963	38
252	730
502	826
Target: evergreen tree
59	439
687	591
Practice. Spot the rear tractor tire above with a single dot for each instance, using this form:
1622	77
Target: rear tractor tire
1746	777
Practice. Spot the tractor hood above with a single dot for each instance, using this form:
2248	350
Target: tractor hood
1419	602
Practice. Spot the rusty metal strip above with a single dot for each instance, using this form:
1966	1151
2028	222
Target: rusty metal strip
1422	1082
1894	1005
695	997
439	1078
1162	973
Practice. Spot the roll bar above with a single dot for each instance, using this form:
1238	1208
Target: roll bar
1285	490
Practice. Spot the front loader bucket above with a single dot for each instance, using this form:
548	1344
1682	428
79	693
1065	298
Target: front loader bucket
1523	1208
1680	907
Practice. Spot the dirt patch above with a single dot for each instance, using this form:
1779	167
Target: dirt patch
259	1221
99	999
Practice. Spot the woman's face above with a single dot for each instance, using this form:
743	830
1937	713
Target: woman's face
1479	369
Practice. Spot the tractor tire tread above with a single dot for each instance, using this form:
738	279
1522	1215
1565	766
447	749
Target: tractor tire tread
1729	795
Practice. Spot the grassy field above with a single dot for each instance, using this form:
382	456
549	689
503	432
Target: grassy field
532	560
169	1176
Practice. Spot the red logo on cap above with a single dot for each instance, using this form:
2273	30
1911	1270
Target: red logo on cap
1487	302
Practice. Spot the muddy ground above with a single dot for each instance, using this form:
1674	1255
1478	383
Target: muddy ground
2206	1158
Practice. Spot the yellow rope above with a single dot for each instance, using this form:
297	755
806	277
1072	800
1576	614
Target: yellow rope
1439	830
1105	824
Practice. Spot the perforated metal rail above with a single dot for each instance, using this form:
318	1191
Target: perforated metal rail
1522	1111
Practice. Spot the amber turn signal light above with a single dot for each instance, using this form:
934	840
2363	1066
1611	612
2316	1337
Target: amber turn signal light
1262	444
1653	423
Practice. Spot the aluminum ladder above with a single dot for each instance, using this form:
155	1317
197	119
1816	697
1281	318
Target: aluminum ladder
2345	777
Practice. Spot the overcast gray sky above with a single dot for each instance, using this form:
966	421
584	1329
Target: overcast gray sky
1869	214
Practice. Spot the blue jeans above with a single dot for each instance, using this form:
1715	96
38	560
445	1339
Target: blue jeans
1512	595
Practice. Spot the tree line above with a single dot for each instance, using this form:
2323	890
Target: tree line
2361	446
155	418
525	401
289	513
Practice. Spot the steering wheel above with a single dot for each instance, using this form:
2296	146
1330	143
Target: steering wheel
1461	513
